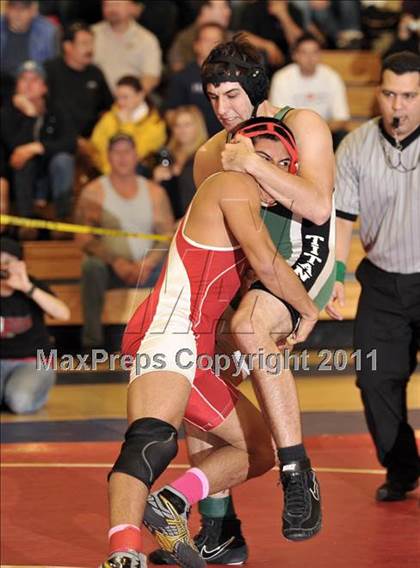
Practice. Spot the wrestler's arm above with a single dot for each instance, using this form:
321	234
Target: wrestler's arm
308	194
207	158
344	233
240	205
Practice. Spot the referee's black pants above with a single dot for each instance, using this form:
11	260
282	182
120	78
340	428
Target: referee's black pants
388	321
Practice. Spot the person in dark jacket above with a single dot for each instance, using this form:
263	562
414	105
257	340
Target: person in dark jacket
40	142
76	82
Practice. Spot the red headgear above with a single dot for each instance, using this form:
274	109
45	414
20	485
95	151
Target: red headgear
267	125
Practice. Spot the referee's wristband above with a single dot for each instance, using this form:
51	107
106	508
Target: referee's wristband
340	271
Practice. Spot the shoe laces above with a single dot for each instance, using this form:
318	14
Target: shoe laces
294	492
125	562
209	532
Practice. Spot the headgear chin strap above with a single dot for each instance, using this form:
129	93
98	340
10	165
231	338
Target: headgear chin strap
251	76
261	125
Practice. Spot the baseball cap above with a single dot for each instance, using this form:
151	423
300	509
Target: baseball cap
121	137
32	67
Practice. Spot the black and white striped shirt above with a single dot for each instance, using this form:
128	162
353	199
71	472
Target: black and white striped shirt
387	199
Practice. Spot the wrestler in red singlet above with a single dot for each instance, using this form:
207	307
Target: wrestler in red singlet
177	323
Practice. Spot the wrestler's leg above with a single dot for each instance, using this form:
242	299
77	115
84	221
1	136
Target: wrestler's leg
220	530
235	450
238	449
259	323
150	444
127	494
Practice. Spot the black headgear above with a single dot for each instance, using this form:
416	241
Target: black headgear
252	76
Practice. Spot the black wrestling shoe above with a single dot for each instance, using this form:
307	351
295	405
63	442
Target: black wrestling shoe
302	500
220	541
394	490
125	560
166	517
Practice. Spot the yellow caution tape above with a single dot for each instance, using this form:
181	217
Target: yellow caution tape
73	228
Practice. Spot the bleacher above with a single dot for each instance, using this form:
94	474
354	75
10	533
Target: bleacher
360	71
59	264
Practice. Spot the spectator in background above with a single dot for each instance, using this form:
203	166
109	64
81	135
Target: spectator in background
337	22
219	12
182	51
68	11
133	114
24	302
308	83
124	201
23	35
175	169
379	22
275	21
185	87
40	140
408	34
4	200
78	84
161	18
4	187
123	47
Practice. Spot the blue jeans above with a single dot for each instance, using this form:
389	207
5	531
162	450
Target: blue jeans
33	180
337	17
23	389
61	175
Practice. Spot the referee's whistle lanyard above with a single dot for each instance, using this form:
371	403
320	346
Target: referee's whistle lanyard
389	161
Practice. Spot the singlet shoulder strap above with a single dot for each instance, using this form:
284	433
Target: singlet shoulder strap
282	112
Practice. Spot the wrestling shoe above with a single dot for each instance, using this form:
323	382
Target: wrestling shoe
166	516
128	559
302	500
220	541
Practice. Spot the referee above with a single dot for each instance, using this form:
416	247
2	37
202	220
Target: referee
378	179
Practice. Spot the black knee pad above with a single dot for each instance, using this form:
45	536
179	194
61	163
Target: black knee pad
150	445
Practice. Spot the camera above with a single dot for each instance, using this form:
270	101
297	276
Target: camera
164	158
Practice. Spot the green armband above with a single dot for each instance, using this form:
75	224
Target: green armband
340	271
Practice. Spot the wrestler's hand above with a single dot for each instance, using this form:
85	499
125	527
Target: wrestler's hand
266	198
337	297
306	325
248	278
236	154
